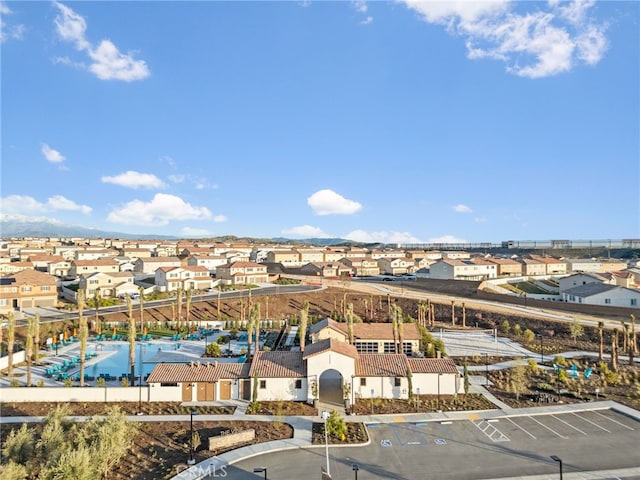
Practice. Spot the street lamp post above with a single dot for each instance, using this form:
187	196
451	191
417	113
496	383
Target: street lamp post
417	399
191	461
486	365
439	375
556	458
261	470
355	467
325	416
352	394
372	392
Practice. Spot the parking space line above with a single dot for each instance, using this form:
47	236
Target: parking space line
592	423
548	428
568	424
521	428
613	420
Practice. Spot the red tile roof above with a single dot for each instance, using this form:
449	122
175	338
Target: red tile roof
432	365
381	365
330	344
278	365
197	372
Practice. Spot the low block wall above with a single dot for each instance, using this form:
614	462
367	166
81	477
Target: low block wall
231	439
18	357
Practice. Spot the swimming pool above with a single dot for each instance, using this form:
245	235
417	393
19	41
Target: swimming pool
114	358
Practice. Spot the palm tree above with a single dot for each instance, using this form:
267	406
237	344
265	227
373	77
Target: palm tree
11	338
614	350
36	339
179	301
83	334
189	295
453	312
304	318
395	321
96	305
218	314
632	341
254	316
132	341
601	335
28	348
141	300
464	316
349	319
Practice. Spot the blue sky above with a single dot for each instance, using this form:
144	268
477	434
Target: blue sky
373	121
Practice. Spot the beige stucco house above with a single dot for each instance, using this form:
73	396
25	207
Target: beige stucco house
242	273
27	289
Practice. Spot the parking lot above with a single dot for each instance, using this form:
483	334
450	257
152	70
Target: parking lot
475	448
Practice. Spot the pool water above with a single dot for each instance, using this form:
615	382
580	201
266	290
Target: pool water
117	363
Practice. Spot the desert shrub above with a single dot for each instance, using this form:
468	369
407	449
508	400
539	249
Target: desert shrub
336	426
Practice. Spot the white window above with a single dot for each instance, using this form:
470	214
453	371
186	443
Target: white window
634	302
607	301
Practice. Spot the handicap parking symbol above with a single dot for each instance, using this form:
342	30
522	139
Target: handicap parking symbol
385	443
440	441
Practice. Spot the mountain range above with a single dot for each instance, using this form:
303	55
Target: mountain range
18	226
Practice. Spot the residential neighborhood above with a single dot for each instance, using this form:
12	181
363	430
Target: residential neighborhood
114	267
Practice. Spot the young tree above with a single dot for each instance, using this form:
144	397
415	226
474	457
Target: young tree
517	380
576	329
83	334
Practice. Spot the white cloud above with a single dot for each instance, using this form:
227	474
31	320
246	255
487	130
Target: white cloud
52	155
177	178
162	209
195	232
108	62
447	239
460	208
24	203
21	204
220	218
8	31
132	179
6	217
328	202
545	41
381	237
305	231
58	202
360	6
480	219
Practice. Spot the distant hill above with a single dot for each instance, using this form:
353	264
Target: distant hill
20	226
17	226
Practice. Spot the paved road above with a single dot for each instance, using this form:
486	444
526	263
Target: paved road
473	449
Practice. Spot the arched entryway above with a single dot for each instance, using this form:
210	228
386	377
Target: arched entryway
331	387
